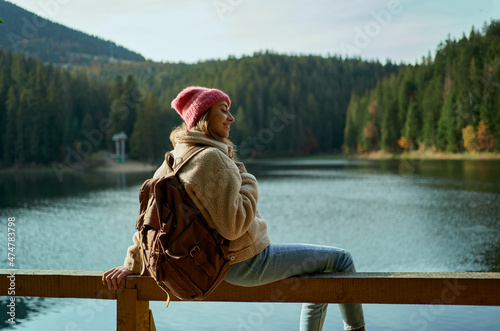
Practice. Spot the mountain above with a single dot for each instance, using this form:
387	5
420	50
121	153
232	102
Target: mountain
26	32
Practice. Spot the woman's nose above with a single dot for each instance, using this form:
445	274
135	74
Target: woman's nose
230	118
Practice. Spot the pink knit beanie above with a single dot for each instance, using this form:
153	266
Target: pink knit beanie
191	102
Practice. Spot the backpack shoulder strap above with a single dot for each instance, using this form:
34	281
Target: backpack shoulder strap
176	164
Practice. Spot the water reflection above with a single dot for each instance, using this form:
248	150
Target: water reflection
431	215
26	309
18	190
392	215
121	180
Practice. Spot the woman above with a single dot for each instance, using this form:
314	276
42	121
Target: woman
227	195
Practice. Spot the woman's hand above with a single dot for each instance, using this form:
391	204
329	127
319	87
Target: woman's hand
241	167
113	277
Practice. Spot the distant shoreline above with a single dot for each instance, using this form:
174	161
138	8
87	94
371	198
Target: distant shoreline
107	166
429	155
131	166
128	166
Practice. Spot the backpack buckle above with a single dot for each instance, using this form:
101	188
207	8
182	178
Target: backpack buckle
194	251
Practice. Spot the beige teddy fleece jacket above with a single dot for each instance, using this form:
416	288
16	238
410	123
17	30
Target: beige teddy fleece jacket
226	198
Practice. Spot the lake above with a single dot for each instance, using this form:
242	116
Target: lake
393	216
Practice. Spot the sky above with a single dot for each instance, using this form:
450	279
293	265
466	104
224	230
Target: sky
197	30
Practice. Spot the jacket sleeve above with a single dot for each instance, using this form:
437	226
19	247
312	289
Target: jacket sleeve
133	259
227	198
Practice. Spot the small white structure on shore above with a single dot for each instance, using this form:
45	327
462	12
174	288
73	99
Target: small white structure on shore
119	140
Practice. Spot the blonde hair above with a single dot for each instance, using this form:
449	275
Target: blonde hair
203	126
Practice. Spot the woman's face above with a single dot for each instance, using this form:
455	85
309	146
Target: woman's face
220	119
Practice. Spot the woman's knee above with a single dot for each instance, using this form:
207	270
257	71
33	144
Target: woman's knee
347	264
335	259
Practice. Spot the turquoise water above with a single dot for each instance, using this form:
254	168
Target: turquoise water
424	216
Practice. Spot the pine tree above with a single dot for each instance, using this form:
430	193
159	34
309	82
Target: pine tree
389	126
9	137
431	106
412	126
351	130
148	137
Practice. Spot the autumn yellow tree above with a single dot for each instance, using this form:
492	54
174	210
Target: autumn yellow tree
403	143
469	137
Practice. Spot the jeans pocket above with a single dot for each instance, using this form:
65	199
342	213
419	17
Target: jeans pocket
242	274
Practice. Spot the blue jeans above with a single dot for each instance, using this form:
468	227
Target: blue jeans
281	261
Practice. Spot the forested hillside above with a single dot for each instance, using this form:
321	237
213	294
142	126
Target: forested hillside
307	94
448	103
44	108
284	105
23	31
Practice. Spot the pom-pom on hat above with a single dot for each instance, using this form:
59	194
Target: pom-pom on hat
193	101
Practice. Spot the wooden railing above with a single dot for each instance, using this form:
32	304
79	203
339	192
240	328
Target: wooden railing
133	311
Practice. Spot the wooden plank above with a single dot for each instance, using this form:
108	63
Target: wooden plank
57	284
384	288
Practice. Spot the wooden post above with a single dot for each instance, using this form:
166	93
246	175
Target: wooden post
133	314
152	326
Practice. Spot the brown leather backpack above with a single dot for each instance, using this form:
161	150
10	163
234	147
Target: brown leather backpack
178	249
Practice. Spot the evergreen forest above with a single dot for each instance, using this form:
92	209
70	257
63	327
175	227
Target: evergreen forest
283	105
447	103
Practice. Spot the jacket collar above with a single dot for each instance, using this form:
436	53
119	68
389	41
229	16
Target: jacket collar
184	139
